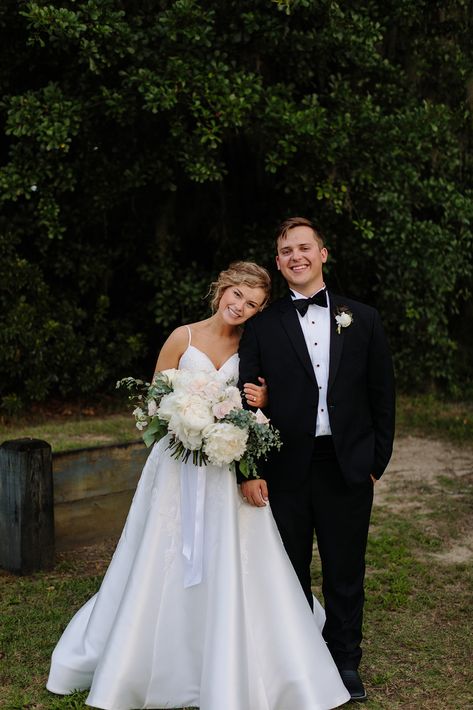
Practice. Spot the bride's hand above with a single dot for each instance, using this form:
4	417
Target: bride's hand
256	395
255	492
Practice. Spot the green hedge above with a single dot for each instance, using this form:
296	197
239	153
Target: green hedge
145	145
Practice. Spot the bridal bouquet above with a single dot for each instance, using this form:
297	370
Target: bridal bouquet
204	416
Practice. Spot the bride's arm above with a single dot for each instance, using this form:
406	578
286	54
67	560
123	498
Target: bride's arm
172	350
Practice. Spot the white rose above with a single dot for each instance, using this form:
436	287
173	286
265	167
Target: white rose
224	443
190	438
169	376
187	417
169	405
344	319
195	413
204	384
229	399
212	391
152	407
233	394
196	382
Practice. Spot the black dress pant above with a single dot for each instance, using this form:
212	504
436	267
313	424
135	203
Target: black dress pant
340	516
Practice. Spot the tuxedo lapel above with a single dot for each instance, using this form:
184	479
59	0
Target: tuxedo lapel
336	340
292	326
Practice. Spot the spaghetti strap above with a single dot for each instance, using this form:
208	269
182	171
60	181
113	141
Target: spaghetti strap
190	335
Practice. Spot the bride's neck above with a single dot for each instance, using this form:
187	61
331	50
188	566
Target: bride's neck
218	328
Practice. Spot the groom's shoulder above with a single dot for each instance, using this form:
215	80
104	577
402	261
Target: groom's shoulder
271	311
265	321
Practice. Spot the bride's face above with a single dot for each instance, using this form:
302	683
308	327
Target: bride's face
238	303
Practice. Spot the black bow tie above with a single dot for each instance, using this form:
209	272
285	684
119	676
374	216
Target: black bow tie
302	304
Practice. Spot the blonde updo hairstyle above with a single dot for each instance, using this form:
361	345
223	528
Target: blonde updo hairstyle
239	273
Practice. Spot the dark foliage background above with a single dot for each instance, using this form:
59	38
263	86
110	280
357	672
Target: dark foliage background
145	145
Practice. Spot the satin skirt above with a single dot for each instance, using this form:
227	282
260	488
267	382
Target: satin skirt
244	638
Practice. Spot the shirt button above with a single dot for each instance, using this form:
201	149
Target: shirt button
321	410
320	386
315	343
318	365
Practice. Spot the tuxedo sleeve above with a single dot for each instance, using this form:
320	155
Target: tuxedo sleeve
381	391
249	353
250	370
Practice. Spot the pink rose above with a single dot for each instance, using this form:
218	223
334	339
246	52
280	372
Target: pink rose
221	409
260	417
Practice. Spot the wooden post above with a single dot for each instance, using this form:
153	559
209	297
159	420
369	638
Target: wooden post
26	506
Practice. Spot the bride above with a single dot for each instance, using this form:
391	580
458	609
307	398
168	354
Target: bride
238	634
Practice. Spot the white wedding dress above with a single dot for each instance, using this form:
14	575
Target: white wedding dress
243	638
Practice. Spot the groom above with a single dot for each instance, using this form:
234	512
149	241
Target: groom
331	395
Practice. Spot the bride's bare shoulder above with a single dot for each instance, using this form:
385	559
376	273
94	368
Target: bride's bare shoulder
179	336
173	348
198	326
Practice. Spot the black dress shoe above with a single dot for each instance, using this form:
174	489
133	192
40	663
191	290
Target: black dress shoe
352	681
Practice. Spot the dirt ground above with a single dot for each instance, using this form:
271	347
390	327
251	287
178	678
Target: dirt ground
418	460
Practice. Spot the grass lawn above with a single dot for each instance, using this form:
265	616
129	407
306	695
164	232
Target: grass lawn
418	640
435	417
73	431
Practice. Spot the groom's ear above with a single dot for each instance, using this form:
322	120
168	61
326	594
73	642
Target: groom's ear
277	263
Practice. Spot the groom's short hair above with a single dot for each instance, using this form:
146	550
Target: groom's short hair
292	222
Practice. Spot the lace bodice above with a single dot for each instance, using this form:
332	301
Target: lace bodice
194	359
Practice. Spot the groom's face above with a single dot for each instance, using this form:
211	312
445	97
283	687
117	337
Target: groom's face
300	260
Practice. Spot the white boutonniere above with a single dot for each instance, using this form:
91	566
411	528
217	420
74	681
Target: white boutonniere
343	317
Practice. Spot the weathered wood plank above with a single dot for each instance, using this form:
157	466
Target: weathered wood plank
88	473
93	489
26	506
90	520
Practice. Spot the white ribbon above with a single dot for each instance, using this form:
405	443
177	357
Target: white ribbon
192	521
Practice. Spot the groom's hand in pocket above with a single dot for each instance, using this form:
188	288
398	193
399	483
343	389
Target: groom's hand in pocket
255	492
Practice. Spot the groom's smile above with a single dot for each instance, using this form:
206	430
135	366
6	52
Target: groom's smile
302	267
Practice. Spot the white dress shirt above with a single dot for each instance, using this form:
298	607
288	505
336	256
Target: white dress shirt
315	326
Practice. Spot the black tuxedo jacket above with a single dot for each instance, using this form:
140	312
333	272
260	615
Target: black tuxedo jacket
360	396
